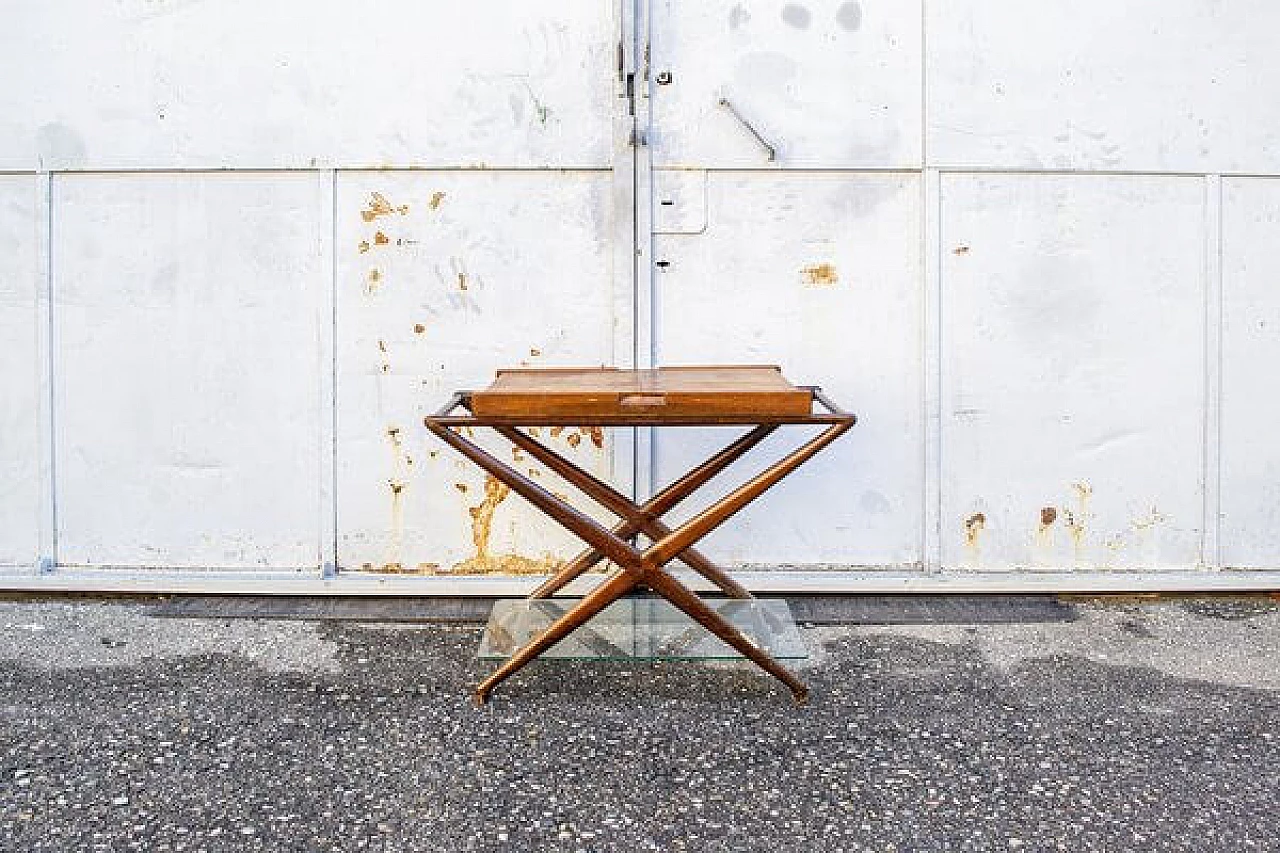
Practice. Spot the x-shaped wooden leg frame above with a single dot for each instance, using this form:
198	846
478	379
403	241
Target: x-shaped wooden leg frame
644	519
638	568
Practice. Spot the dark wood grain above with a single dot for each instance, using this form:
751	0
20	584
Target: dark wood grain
757	392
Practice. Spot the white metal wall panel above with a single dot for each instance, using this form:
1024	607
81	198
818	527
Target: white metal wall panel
821	274
187	357
1250	454
828	83
276	83
1073	371
1141	85
443	277
19	450
1004	241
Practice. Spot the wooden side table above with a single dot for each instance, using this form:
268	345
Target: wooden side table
757	396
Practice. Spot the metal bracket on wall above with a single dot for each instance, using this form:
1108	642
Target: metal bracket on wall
769	149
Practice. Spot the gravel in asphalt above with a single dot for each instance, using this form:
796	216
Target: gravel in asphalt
1137	726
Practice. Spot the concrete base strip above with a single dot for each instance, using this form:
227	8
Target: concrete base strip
772	582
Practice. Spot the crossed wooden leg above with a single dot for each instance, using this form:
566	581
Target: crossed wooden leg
644	519
639	568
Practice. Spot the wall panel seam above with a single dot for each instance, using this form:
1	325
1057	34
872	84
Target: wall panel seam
1211	554
327	405
931	364
647	352
46	558
924	85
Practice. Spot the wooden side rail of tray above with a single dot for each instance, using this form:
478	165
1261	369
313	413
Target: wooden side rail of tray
464	399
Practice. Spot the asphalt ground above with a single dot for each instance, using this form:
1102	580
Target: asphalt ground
1128	726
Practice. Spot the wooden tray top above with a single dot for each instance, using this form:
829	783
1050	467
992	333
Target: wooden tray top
757	392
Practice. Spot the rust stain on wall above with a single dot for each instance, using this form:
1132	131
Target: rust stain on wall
397	484
507	564
1044	532
379	206
820	274
380	239
575	436
1075	527
1138	533
482	514
397	515
1077	519
401	569
485	562
973	527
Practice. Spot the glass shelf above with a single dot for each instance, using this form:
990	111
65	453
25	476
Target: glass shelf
643	629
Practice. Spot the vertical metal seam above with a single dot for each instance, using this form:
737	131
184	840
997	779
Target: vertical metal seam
629	10
645	342
629	34
1210	534
1218	364
924	85
646	152
931	362
46	558
622	458
333	370
328	403
636	251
